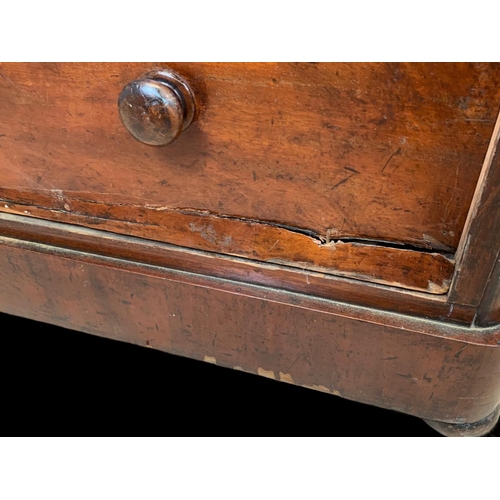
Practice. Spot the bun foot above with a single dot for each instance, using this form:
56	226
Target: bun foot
474	429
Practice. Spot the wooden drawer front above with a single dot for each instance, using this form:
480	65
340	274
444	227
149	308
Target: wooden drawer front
287	163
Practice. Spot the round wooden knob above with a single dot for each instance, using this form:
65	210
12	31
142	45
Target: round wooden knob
157	107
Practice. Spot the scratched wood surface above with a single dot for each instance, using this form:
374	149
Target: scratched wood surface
412	269
489	309
305	155
217	265
419	367
475	281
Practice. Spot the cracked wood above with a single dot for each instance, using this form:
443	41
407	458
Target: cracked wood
416	270
386	152
283	159
216	265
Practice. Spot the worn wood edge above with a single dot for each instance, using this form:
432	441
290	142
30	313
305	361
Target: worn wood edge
472	429
459	290
138	250
429	272
296	76
488	312
478	193
116	284
482	336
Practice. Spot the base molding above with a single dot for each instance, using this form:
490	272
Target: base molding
432	370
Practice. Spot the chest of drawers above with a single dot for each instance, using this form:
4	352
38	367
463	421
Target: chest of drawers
329	225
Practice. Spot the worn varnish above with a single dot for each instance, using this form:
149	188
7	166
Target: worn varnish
96	241
283	233
478	252
488	313
425	368
157	107
417	270
377	152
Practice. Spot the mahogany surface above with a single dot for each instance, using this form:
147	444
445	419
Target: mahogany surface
285	162
428	369
329	225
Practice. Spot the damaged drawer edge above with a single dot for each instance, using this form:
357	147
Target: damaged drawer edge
411	269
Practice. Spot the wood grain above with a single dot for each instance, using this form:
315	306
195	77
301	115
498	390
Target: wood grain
424	368
132	249
156	108
488	312
412	269
385	152
479	249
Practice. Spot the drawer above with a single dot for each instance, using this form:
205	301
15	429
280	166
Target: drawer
360	170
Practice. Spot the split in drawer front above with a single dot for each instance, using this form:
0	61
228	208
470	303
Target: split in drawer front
285	162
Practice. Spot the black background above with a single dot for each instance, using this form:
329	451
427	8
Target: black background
56	377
